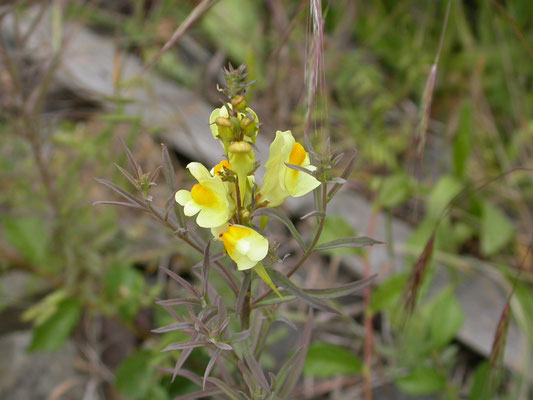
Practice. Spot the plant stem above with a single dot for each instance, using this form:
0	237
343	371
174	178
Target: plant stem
309	251
225	273
246	308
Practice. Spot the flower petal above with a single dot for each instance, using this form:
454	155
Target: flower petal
199	172
182	197
245	246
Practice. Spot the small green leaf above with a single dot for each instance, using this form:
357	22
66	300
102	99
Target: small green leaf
263	274
272	212
422	381
326	360
349	242
496	230
481	386
281	280
29	236
134	376
446	317
124	286
394	190
335	226
55	330
327	293
444	191
387	294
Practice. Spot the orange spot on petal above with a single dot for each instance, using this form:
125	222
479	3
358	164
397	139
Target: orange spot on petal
298	154
203	196
297	157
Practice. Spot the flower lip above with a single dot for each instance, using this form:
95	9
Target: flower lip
245	246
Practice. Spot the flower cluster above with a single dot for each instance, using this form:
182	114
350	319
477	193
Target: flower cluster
225	198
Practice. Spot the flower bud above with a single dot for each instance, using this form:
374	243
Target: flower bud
242	159
225	131
248	127
239	102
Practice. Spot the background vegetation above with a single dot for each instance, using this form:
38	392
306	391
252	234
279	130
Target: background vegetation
91	273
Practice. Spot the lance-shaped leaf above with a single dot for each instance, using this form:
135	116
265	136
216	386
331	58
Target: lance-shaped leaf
128	196
183	357
344	176
416	276
210	365
283	281
263	274
315	213
181	281
174	327
185	345
128	176
200	395
226	389
301	169
350	242
118	203
286	221
223	346
255	368
240	336
289	374
177	302
168	168
183	372
135	167
328	293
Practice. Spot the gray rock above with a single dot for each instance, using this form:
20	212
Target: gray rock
35	376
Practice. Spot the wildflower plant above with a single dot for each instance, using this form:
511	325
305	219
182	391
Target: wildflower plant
236	205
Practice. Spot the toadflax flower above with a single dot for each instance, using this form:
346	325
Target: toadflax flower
244	245
281	181
209	198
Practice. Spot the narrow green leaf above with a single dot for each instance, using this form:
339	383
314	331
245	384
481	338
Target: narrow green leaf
286	221
496	230
355	242
134	375
446	318
55	330
444	191
481	386
29	236
282	280
388	293
326	360
328	293
461	142
422	381
394	190
263	274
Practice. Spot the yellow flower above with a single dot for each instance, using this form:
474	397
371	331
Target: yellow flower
244	246
209	198
281	181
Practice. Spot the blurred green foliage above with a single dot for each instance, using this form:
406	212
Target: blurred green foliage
377	59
